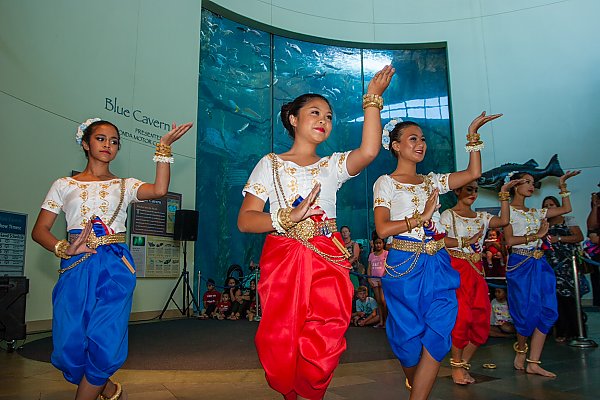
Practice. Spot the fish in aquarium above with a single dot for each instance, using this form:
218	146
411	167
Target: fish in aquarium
495	178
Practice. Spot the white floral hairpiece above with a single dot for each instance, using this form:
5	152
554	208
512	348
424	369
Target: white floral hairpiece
508	176
385	137
83	127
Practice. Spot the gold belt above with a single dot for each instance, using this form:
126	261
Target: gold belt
308	229
93	241
537	253
431	247
473	257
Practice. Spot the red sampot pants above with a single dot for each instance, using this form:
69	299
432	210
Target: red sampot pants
474	307
307	304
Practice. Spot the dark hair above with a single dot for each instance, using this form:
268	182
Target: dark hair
90	129
210	281
345	226
554	199
397	132
294	106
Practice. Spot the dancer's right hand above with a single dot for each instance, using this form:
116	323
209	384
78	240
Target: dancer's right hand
79	245
304	209
431	205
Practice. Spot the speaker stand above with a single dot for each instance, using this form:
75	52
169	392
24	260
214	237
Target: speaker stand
188	294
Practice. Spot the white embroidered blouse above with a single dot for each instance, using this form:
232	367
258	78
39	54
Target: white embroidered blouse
526	223
331	172
403	198
82	200
466	227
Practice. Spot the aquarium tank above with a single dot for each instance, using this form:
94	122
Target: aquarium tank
246	74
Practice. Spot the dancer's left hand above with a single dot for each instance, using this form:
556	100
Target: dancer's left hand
381	80
567	175
481	120
175	133
304	209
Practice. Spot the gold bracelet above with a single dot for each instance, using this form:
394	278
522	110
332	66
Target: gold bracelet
473	137
564	194
163	150
417	216
503	196
530	238
474	146
371	104
60	249
283	216
407	220
163	154
372	100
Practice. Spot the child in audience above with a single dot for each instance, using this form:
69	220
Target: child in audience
223	307
210	299
500	321
494	254
377	268
366	309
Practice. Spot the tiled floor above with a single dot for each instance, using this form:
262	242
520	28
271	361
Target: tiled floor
578	378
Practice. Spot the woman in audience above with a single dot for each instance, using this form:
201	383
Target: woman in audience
565	236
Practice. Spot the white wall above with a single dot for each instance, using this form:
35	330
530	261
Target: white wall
59	60
532	60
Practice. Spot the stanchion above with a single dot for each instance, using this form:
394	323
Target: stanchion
581	341
257	298
200	303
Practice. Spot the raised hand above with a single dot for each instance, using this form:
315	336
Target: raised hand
381	80
304	209
431	205
80	244
567	175
481	120
175	133
508	185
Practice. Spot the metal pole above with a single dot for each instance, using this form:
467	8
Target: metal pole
258	309
199	297
581	341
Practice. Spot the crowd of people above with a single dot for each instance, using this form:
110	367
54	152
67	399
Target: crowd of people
426	270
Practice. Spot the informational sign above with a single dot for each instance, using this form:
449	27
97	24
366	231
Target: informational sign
13	228
154	251
491	210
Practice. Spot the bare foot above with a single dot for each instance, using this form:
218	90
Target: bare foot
519	362
458	376
468	377
533	368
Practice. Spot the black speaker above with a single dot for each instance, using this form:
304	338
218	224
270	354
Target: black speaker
13	291
186	225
